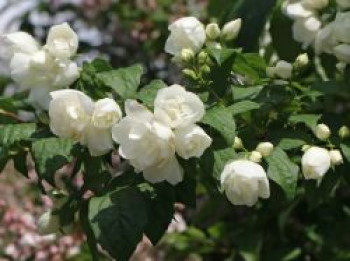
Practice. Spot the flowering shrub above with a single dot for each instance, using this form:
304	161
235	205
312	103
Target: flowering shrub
250	130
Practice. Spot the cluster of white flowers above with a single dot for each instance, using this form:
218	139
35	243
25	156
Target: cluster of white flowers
41	69
150	140
312	29
189	33
244	181
74	115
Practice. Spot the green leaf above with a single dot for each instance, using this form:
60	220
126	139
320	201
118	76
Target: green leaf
309	120
221	158
148	93
334	88
161	212
124	81
250	65
291	143
283	171
244	93
10	134
185	191
221	55
220	118
96	176
118	220
243	106
50	155
346	150
20	162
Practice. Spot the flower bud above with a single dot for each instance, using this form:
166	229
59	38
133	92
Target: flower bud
336	157
231	30
305	147
48	223
189	73
265	148
322	131
205	69
284	70
238	144
271	72
215	45
315	163
255	156
344	132
301	61
187	55
202	57
213	31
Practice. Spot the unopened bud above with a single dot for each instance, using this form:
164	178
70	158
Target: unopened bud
215	45
322	131
301	61
265	148
305	147
255	156
336	157
344	132
202	57
187	55
231	30
213	31
284	70
189	73
238	144
205	69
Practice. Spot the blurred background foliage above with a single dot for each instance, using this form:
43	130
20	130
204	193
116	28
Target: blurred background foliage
312	227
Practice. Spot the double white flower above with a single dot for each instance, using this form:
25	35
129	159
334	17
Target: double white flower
150	140
74	115
41	69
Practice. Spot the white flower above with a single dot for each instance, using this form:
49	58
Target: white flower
213	31
315	163
231	29
255	156
315	4
176	107
148	144
336	157
343	4
48	223
74	115
283	70
325	40
295	10
191	141
186	32
322	131
62	42
305	30
342	27
19	42
244	182
342	52
265	148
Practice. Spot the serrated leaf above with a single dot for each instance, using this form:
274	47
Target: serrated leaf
220	118
161	212
283	171
243	106
309	120
124	81
250	65
50	155
13	133
148	93
118	220
244	93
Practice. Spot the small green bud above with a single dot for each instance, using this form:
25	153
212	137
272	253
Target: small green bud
202	57
187	55
301	61
238	143
205	69
189	73
344	132
213	31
